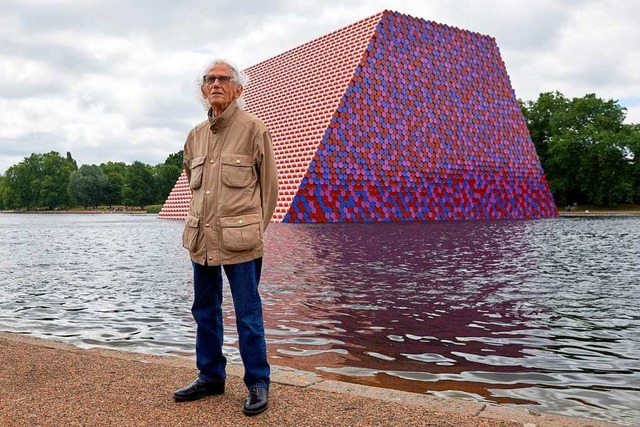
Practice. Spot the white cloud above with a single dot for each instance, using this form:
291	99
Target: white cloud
113	80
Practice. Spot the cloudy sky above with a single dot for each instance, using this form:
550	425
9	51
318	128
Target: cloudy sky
113	80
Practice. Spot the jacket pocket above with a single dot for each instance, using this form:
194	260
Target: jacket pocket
237	170
241	233
196	172
190	233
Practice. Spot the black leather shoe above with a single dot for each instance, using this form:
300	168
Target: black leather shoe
257	401
198	389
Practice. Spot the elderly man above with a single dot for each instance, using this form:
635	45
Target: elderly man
230	166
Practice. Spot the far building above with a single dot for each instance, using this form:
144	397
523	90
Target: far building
394	118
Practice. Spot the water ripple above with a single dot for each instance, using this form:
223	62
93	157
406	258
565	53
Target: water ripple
540	314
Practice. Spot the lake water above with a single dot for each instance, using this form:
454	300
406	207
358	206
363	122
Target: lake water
542	314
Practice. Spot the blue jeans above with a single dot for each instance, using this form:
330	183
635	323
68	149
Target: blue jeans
244	279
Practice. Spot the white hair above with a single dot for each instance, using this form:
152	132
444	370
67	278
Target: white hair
239	78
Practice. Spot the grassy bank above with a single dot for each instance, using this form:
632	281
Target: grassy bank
154	209
599	208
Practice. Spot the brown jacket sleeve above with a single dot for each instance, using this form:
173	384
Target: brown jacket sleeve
187	156
268	176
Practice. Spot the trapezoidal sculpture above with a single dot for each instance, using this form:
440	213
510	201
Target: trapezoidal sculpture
394	118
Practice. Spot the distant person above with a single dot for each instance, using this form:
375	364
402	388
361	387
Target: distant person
230	166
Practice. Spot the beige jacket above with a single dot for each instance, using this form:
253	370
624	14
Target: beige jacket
231	170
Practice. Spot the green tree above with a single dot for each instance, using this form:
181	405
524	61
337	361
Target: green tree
632	144
605	173
583	148
166	175
175	159
165	178
4	192
115	172
18	189
87	185
40	180
71	160
54	180
542	118
139	186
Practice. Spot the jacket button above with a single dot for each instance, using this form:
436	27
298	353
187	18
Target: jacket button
238	161
211	161
210	258
206	225
215	131
240	222
208	192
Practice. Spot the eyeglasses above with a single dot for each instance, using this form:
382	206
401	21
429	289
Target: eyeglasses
211	79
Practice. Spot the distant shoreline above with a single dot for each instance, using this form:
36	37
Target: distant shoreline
87	211
598	214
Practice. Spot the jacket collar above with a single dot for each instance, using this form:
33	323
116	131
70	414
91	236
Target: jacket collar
224	118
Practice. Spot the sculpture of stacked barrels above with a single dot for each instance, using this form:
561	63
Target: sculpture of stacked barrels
394	118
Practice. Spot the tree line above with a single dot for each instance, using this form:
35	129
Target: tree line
49	181
588	154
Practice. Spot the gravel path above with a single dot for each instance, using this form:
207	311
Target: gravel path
46	383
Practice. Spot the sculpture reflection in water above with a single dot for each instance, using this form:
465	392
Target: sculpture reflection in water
417	306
